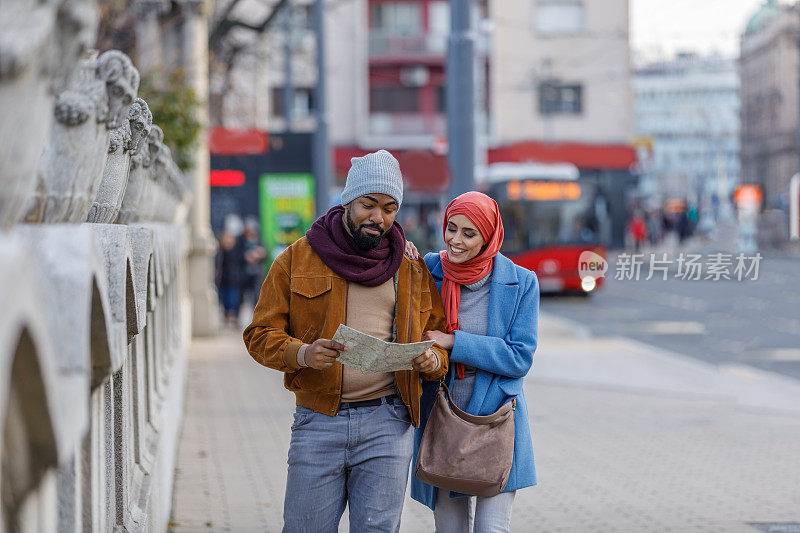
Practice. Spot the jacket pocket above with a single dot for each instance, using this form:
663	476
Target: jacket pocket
310	287
425	303
311	380
309	306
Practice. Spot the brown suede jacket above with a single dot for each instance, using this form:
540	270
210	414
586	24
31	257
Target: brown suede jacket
303	300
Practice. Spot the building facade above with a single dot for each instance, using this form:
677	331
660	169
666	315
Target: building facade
547	71
770	76
686	112
560	71
552	87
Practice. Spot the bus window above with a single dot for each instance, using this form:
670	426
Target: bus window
532	224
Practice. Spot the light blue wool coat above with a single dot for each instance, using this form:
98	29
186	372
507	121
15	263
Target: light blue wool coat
502	358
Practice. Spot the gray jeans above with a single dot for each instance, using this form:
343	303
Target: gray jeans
359	457
475	513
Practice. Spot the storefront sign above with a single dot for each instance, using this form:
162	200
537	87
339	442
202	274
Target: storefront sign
286	208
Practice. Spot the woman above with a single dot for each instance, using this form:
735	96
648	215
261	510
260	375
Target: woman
492	308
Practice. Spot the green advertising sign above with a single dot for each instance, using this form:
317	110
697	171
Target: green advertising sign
286	206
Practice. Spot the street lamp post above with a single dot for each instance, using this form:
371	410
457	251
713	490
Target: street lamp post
288	95
320	150
460	98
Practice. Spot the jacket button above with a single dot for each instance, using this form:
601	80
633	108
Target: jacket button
333	410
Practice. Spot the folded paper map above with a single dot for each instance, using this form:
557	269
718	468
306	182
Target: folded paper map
369	354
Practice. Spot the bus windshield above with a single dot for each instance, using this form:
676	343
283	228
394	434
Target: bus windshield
539	223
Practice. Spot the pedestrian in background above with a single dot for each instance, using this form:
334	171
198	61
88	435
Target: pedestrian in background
653	222
492	308
637	230
254	255
352	433
229	271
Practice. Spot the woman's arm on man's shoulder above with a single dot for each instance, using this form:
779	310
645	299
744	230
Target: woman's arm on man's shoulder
513	355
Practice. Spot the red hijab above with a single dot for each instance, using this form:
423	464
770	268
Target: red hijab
484	213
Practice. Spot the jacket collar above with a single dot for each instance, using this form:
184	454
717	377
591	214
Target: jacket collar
503	273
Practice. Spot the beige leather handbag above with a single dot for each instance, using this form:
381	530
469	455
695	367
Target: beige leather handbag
466	453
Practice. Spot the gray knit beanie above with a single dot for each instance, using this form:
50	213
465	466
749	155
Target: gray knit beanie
378	172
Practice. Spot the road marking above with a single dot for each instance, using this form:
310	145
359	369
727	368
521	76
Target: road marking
778	354
667	327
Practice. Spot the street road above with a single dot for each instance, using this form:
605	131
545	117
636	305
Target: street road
751	322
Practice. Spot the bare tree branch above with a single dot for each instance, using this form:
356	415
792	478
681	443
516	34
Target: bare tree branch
225	24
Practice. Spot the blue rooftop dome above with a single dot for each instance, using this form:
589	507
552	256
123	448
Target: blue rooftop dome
768	10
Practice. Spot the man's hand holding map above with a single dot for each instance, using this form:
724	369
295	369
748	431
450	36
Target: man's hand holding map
370	354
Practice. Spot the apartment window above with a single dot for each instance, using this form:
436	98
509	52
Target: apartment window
304	17
441	98
438	26
439	17
396	18
303	102
559	18
556	98
394	99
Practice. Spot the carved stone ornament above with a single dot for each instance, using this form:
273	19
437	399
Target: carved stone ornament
124	141
140	120
119	139
159	155
25	35
71	167
72	108
163	174
122	83
140	188
76	31
25	30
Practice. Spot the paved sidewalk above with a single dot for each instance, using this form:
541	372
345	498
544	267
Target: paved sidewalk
627	438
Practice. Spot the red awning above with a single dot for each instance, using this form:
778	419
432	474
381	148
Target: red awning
423	170
582	155
222	141
427	171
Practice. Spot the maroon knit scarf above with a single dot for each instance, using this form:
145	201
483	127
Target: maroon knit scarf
337	249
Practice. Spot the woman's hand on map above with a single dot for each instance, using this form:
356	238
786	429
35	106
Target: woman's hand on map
445	340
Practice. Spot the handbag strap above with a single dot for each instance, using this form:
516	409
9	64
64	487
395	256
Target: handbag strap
467	416
443	386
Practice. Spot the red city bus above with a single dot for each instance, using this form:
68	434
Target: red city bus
551	216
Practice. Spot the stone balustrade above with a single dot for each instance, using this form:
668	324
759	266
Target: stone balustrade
95	310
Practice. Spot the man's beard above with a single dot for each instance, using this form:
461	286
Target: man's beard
363	240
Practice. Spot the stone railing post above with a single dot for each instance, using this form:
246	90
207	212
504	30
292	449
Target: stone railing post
134	208
125	141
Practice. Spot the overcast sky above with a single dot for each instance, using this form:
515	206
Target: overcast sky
669	26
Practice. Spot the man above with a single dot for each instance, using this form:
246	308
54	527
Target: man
352	433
